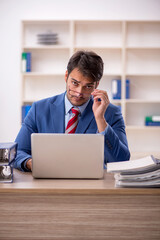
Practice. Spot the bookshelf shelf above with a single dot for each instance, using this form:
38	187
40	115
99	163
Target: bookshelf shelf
29	101
111	74
45	74
143	48
39	74
98	47
129	49
142	128
45	47
142	101
142	74
116	101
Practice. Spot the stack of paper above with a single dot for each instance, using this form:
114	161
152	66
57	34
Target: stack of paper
143	172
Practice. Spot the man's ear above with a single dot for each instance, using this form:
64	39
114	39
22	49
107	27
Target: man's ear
66	76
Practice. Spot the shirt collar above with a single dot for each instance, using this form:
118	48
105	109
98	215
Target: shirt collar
68	105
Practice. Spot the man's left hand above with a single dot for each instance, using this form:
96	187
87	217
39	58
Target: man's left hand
101	102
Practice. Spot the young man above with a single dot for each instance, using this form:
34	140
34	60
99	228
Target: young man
95	114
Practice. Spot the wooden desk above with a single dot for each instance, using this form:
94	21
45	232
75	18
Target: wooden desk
77	209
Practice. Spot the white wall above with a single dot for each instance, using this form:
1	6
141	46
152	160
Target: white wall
13	11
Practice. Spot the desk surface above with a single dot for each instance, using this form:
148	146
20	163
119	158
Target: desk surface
24	182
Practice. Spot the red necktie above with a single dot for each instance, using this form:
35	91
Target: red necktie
73	121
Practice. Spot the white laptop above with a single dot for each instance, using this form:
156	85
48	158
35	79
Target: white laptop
67	155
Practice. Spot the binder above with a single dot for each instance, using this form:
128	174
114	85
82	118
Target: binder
127	88
28	58
8	153
25	110
116	89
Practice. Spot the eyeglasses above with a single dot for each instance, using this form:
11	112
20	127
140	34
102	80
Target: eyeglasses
74	93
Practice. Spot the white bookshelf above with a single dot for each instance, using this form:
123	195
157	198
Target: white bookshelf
129	49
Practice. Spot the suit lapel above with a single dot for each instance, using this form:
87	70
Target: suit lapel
58	114
85	119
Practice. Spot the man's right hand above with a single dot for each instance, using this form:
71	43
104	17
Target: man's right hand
29	164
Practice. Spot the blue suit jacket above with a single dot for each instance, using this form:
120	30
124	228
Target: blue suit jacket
48	116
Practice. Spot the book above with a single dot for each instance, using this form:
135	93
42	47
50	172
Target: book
8	153
28	62
143	172
152	123
6	174
116	89
127	88
25	110
152	118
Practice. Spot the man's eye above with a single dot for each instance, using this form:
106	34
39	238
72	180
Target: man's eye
89	87
74	83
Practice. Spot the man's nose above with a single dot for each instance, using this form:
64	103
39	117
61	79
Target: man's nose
80	90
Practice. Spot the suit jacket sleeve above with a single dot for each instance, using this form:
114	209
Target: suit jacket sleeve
116	145
24	139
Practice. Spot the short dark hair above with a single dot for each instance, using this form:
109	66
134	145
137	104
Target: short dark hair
88	63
